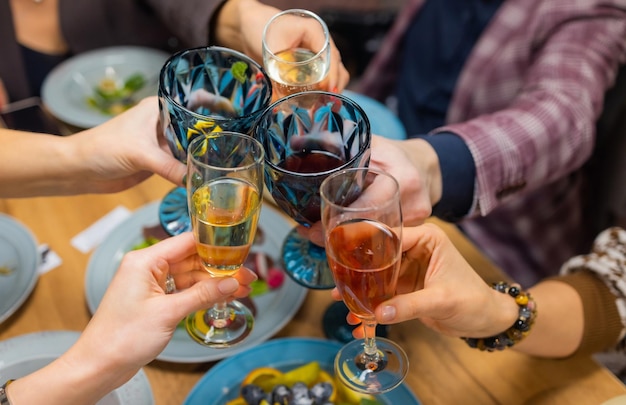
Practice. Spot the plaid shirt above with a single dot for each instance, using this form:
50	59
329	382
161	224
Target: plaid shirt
526	104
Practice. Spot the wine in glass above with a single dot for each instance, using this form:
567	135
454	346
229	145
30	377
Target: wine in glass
307	136
362	222
293	68
202	90
225	189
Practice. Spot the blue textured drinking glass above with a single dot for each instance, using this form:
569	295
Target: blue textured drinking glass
306	137
204	90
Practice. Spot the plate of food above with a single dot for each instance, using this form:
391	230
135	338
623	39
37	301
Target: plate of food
90	88
274	300
303	365
22	355
19	261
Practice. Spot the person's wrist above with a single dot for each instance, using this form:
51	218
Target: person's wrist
423	156
518	330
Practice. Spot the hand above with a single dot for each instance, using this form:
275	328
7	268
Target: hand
134	322
241	24
438	287
127	149
415	166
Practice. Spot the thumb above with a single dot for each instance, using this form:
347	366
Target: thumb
204	294
427	303
168	167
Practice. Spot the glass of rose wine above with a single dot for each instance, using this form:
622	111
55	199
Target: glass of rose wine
362	222
307	136
202	90
294	68
225	189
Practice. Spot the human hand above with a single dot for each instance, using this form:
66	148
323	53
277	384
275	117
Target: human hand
241	24
438	287
126	150
415	166
135	303
133	323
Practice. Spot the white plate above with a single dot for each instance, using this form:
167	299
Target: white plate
274	309
18	253
25	354
67	86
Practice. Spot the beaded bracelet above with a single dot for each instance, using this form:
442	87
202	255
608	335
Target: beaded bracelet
521	327
4	400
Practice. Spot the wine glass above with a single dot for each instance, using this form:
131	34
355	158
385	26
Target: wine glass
362	222
202	90
306	137
294	69
225	190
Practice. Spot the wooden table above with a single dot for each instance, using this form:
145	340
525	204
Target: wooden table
443	370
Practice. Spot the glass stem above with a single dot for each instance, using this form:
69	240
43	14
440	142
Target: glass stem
219	311
369	331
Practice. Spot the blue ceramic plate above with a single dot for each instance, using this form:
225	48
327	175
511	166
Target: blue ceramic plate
382	120
283	354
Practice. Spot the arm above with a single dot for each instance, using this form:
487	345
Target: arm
133	324
108	158
236	24
439	288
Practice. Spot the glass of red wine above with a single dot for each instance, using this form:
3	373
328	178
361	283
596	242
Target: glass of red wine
306	137
362	221
204	90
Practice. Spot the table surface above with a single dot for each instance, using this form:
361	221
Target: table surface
443	370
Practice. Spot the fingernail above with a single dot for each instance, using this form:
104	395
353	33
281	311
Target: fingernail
335	89
388	313
228	285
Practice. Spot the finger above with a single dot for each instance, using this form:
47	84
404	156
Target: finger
174	249
203	294
315	233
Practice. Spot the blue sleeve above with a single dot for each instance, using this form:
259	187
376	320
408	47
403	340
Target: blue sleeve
458	173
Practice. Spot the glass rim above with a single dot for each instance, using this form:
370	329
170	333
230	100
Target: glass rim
258	160
301	12
378	172
368	132
178	55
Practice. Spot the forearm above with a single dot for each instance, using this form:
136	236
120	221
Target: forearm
78	377
37	164
558	327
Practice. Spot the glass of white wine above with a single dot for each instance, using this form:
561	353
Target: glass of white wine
224	189
293	65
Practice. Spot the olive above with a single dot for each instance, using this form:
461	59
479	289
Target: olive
281	395
252	394
321	392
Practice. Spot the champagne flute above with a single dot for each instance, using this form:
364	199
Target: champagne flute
224	188
291	68
362	222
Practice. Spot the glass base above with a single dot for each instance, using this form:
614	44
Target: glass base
305	262
173	212
221	333
336	327
360	373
